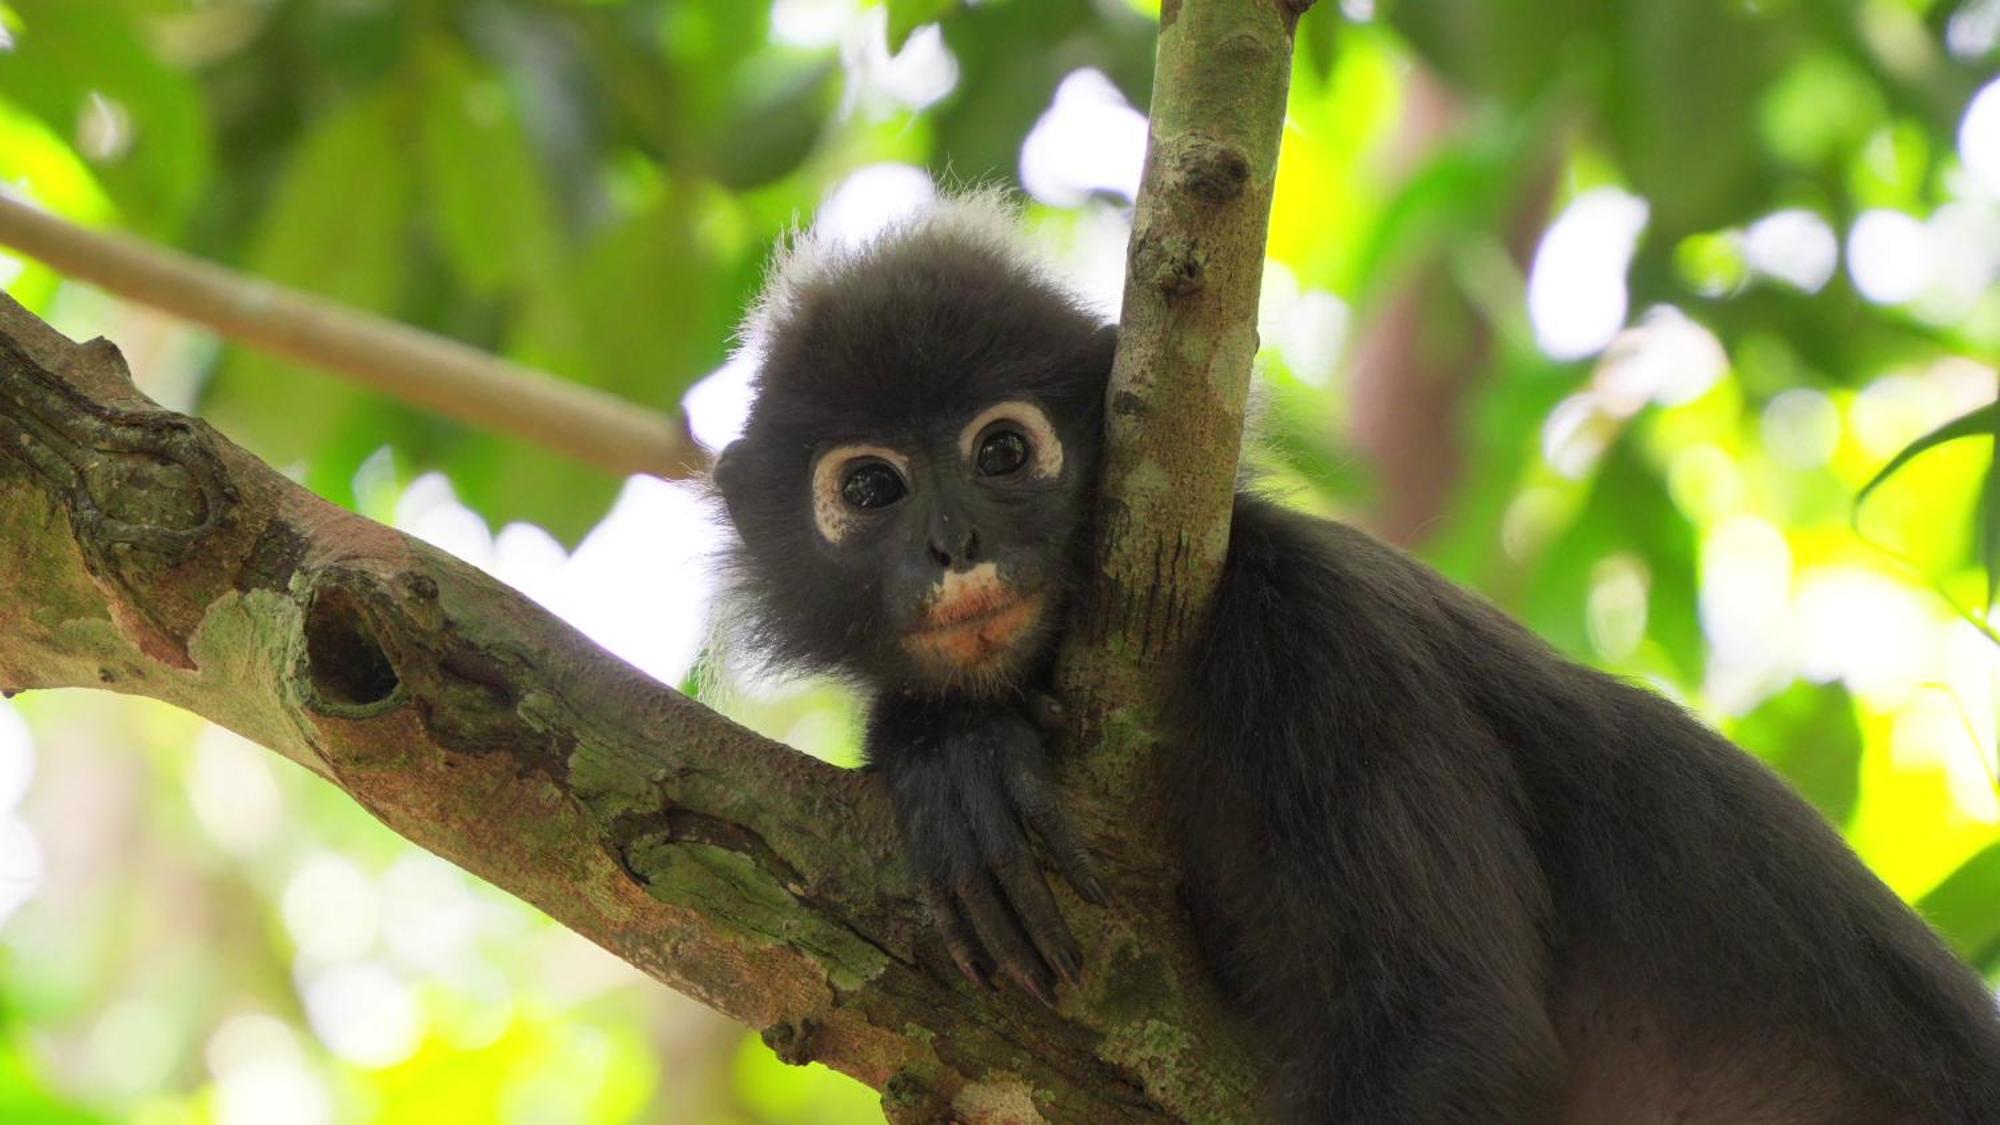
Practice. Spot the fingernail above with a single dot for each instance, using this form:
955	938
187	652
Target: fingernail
972	973
1035	986
1071	967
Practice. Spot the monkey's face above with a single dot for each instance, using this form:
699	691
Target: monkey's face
959	526
910	488
938	552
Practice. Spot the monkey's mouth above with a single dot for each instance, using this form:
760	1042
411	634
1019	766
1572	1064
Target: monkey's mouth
976	630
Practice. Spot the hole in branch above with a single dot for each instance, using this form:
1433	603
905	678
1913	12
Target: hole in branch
347	665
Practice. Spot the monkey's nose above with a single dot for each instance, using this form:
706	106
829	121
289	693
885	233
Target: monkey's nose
949	549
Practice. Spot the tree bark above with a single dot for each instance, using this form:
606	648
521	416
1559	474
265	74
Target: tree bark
141	552
1174	430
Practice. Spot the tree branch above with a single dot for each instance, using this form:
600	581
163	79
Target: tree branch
1188	331
1187	336
414	366
141	552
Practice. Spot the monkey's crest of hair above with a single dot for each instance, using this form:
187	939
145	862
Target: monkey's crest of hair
812	263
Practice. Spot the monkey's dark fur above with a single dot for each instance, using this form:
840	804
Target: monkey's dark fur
1452	876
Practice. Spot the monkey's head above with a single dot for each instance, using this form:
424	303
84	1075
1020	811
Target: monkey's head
911	489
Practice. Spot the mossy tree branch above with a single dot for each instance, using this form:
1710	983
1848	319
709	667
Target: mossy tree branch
1187	336
141	552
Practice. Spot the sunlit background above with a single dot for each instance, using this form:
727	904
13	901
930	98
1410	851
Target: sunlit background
1610	308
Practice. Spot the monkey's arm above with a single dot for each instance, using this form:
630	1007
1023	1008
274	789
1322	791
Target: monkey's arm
968	781
1356	842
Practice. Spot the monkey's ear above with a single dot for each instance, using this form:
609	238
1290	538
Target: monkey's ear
728	473
1103	347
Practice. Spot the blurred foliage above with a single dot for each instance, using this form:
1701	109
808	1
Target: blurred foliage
1703	269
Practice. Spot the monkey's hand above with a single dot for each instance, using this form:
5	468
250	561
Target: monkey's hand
967	792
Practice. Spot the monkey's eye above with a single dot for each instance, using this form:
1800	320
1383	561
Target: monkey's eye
872	485
1001	452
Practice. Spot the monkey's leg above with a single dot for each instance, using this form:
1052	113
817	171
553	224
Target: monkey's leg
1356	844
1388	942
1437	1010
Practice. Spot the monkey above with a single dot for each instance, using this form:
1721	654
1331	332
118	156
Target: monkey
1450	875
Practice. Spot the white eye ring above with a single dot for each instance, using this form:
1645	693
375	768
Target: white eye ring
1045	452
832	514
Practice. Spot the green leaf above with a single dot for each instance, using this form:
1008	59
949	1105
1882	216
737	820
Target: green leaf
1293	433
1011	57
336	224
336	227
1983	422
1980	422
1809	734
647	310
505	479
84	70
24	1094
1504	413
774	122
1689	145
492	214
644	313
906	16
1989	511
1963	908
1318	42
1895	168
1628	510
1510	49
1822	108
1458	194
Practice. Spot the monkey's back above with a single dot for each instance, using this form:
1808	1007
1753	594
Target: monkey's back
1700	944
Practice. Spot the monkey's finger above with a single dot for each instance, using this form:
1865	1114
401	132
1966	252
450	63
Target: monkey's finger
1002	937
1035	802
1003	851
958	940
1047	711
1029	895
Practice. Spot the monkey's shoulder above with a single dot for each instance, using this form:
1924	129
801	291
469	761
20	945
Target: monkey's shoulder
1291	571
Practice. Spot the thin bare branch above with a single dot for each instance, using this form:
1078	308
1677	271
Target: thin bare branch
414	366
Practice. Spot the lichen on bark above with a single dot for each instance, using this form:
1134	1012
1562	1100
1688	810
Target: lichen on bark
140	552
